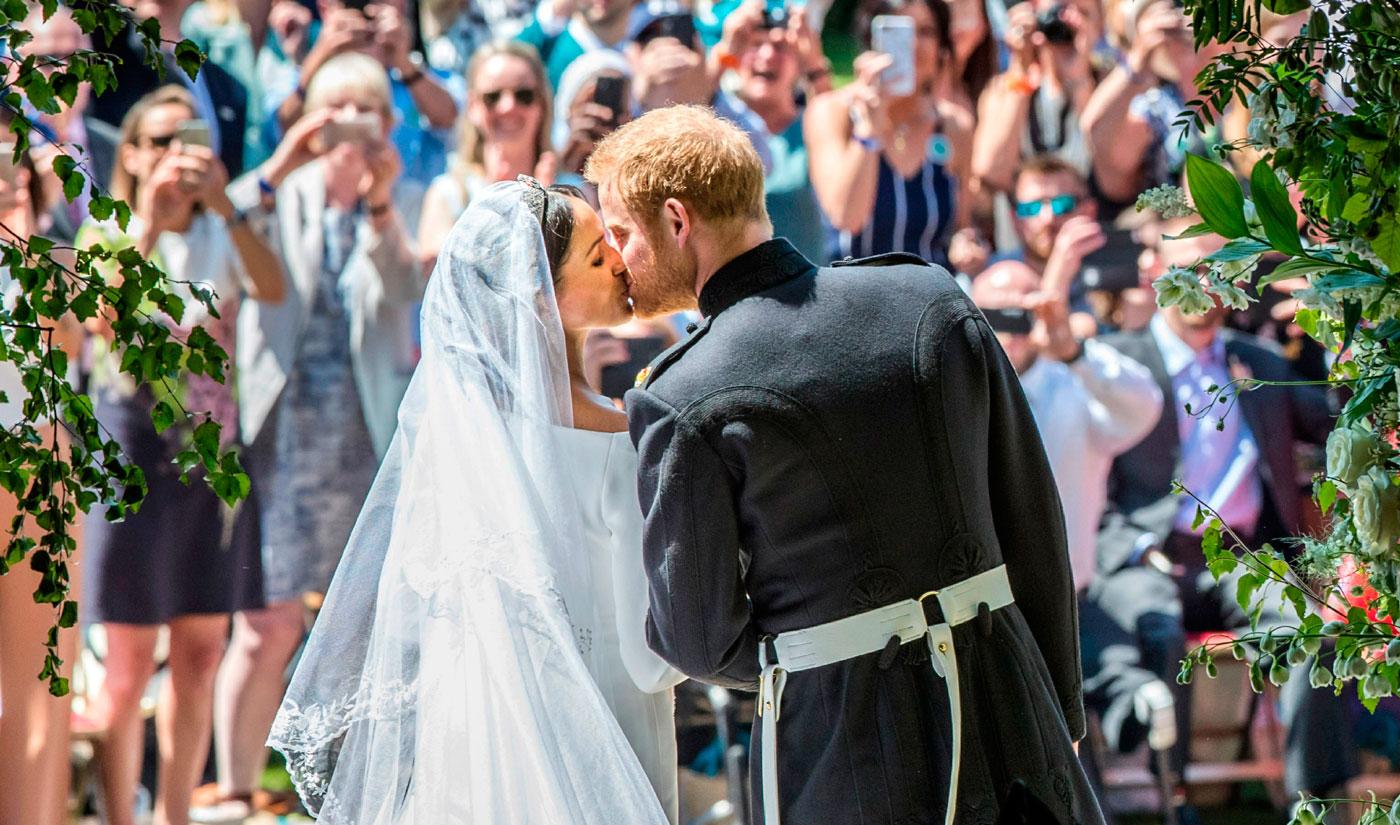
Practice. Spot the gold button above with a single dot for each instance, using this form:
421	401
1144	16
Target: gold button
942	647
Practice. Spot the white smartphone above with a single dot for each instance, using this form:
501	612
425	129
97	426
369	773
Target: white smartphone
361	128
193	133
893	34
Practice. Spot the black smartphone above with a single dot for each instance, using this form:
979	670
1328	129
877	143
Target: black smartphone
679	26
1010	320
619	378
608	93
1113	268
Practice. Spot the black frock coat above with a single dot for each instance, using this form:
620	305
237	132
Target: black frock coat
829	441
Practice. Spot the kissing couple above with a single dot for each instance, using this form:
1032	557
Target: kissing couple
831	493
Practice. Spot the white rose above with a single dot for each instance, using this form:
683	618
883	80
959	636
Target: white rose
1350	453
1375	511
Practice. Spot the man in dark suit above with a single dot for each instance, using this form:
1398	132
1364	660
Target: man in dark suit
220	99
833	444
1238	456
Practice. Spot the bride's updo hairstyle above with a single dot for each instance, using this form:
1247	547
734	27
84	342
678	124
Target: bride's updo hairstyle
556	216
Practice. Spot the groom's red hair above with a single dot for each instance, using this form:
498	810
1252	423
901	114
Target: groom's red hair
684	152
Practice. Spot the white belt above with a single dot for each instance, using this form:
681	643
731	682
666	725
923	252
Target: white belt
866	633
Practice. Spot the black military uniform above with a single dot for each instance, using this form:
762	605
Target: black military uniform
829	441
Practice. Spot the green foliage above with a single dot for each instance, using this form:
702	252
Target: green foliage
1324	112
51	478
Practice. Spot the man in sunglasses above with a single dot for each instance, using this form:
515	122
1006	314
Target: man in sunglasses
1058	226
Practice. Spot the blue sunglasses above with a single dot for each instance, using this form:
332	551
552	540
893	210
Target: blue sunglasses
1060	206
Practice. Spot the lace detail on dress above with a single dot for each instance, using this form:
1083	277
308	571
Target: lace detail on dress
310	737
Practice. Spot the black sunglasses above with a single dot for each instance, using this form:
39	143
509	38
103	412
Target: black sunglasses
525	97
160	141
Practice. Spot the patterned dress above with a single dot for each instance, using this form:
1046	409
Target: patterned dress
314	461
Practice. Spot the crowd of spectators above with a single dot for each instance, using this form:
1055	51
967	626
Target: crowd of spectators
315	167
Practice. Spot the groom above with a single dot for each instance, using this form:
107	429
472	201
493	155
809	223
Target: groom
847	507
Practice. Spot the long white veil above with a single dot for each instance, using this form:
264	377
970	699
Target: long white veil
447	678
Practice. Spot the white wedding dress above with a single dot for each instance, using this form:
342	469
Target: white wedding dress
635	682
479	659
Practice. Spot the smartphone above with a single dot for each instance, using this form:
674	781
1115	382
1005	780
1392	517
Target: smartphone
1009	320
893	34
775	14
679	26
1113	268
357	5
361	128
193	133
608	93
619	378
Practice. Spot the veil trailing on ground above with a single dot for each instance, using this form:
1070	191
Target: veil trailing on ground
447	678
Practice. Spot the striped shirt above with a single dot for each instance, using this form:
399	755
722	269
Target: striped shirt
913	214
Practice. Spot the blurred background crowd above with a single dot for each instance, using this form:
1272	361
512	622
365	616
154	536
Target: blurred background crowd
313	170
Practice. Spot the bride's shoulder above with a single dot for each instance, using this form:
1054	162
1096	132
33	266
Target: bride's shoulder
596	413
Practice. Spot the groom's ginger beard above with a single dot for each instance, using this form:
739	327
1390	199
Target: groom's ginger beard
662	281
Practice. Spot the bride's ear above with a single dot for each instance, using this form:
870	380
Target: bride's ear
676	218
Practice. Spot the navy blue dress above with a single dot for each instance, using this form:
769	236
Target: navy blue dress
913	214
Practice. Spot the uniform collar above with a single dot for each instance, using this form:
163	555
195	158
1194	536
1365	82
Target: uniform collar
763	267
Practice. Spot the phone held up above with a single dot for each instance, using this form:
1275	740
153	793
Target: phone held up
607	92
193	133
362	128
893	34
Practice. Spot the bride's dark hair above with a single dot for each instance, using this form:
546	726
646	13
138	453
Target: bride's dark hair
556	216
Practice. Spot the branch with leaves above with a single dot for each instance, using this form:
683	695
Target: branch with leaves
1325	107
58	460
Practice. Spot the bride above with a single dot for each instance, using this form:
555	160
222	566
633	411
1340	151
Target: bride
480	656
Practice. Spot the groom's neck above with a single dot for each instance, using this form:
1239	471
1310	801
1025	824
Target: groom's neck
714	248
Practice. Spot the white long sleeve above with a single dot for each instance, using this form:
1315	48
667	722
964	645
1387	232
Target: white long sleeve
623	516
1125	401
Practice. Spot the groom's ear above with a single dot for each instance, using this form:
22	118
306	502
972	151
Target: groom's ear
676	218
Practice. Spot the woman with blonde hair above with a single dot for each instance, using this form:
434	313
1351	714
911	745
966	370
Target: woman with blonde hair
169	564
321	375
505	132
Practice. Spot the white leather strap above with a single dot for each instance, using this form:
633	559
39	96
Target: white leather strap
866	633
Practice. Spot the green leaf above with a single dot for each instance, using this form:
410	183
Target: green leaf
1357	207
1245	589
73	186
1238	250
1285	7
1193	231
189	58
1297	268
1386	244
1275	211
69	616
1351	316
1217	196
162	416
1299	601
1326	496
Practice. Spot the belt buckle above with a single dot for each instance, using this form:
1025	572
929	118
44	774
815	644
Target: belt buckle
942	647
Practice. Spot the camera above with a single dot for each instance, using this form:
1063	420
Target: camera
1050	23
